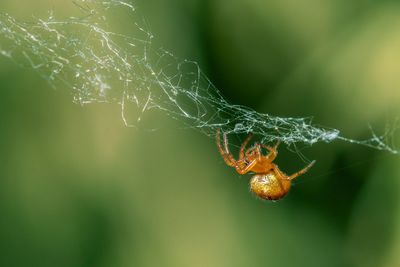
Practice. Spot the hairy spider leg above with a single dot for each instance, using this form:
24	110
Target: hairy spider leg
240	165
247	167
304	170
243	146
226	144
228	158
252	157
226	155
294	175
258	151
273	151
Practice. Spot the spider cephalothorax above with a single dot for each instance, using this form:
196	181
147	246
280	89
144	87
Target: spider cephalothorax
268	182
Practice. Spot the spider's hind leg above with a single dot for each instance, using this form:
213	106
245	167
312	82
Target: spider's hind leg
302	171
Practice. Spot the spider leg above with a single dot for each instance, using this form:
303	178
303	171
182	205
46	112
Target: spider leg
243	146
247	168
258	151
226	155
302	171
273	152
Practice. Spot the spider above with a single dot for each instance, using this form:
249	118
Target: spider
268	182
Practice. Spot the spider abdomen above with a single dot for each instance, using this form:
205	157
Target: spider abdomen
269	186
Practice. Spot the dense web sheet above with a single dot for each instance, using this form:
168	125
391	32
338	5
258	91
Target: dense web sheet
85	54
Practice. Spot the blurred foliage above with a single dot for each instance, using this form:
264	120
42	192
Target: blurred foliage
78	188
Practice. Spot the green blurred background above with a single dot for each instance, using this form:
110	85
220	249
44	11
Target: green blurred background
77	188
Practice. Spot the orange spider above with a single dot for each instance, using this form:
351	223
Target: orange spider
268	182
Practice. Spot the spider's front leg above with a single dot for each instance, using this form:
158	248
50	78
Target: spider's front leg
243	146
225	153
245	169
244	164
273	151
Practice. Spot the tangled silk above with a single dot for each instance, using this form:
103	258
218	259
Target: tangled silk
86	55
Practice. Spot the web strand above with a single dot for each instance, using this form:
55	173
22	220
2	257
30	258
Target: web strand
97	64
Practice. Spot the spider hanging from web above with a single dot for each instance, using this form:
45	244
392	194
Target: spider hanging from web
268	182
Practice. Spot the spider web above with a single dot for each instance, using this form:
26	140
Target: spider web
99	64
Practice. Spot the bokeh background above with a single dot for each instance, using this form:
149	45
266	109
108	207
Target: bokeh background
78	188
